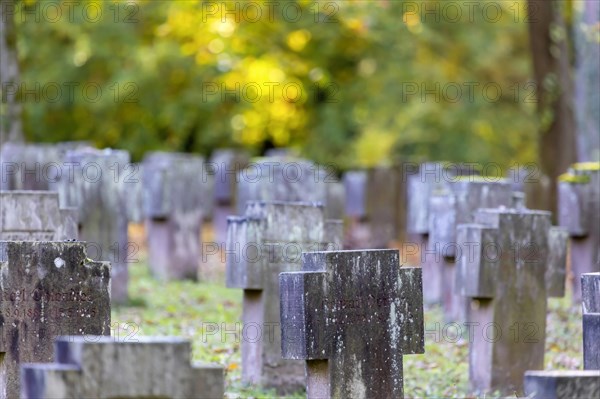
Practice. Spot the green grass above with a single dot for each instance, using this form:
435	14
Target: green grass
193	310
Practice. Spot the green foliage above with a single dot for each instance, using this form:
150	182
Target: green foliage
362	71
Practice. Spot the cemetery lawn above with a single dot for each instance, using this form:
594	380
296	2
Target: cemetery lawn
209	314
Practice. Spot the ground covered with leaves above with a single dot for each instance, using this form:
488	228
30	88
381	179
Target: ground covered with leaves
209	314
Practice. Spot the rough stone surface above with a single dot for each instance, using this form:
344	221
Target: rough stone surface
579	213
352	315
35	216
173	203
590	283
563	384
97	190
100	367
502	268
448	208
266	241
47	289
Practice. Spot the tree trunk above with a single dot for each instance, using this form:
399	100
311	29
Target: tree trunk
10	108
551	68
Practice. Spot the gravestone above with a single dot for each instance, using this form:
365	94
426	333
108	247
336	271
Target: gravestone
48	289
135	194
562	384
374	199
37	166
100	367
567	384
173	205
351	316
355	184
535	186
267	240
579	213
503	266
449	207
35	216
225	165
383	204
586	77
286	179
97	188
590	283
423	181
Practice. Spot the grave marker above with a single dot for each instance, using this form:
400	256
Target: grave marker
38	166
226	164
97	188
100	367
173	205
267	240
447	209
351	316
503	267
579	213
562	384
288	179
48	289
423	181
567	384
590	283
35	216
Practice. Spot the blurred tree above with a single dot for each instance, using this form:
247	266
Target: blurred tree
10	108
350	82
552	71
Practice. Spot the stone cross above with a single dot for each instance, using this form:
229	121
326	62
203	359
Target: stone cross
351	316
567	384
423	181
102	367
562	384
48	289
579	213
96	186
355	184
267	240
290	179
586	78
35	166
590	283
535	186
134	198
225	165
447	209
503	267
373	202
35	216
173	206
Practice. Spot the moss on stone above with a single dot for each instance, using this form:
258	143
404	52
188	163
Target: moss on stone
574	179
586	166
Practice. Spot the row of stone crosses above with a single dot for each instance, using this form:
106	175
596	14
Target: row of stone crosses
343	319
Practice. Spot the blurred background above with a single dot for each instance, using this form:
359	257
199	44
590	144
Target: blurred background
354	83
